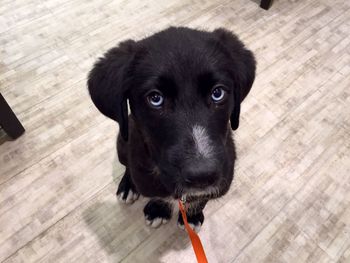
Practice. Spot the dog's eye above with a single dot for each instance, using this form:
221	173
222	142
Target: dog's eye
155	99
218	93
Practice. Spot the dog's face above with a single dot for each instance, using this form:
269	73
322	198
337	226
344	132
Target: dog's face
184	88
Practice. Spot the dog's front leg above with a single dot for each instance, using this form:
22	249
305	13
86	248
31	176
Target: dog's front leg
127	192
195	216
157	211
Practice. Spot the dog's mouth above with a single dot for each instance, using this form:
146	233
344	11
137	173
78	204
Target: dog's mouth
209	192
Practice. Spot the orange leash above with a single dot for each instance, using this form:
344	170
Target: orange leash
196	242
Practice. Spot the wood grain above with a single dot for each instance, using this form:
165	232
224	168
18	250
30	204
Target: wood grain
290	201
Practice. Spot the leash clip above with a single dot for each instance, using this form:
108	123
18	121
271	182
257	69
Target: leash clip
183	200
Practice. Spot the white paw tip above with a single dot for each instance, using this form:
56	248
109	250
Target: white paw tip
181	226
120	197
196	228
131	197
191	225
156	222
135	196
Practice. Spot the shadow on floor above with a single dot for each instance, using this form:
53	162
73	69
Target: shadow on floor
120	229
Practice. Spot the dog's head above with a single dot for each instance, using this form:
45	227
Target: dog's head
184	87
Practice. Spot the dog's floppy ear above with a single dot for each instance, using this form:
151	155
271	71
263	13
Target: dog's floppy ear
243	69
107	84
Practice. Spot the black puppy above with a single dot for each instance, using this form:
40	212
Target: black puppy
184	86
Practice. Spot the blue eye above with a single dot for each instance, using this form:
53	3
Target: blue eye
156	99
217	94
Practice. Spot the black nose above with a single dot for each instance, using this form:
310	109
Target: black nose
200	176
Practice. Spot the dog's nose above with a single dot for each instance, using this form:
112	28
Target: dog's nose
200	176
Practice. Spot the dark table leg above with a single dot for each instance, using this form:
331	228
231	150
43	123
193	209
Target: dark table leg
266	4
9	121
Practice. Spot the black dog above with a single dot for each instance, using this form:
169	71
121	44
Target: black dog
184	86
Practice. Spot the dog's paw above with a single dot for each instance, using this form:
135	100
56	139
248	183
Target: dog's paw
195	221
157	212
126	192
127	197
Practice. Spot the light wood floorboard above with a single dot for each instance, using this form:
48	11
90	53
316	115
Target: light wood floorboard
290	201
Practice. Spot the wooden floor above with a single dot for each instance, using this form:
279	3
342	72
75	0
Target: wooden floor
290	201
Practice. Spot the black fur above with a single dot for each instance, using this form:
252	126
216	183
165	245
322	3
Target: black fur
195	219
156	144
125	186
157	208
